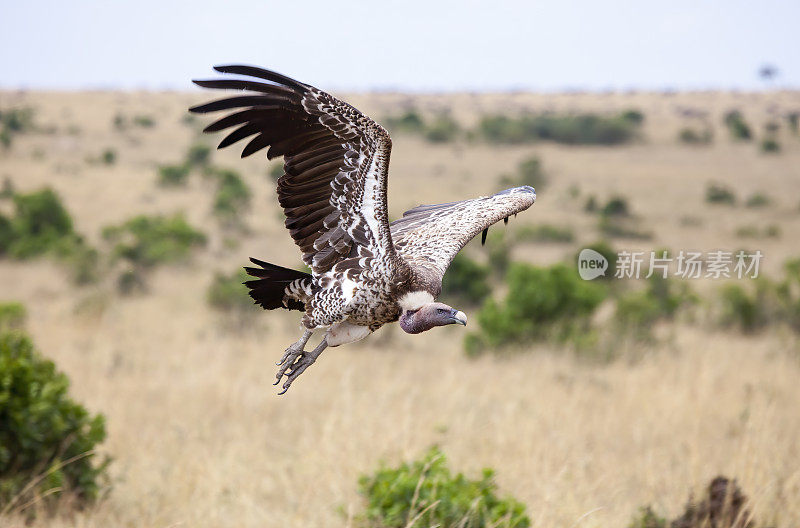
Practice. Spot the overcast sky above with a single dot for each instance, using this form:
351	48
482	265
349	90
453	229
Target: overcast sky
410	45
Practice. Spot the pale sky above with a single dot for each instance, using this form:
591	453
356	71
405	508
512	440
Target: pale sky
411	45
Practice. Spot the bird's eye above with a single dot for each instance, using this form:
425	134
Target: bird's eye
440	310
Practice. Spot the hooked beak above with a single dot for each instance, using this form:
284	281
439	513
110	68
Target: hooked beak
459	317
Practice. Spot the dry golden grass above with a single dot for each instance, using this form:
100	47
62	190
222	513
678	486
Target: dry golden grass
199	437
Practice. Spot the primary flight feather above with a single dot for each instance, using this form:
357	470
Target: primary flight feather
366	272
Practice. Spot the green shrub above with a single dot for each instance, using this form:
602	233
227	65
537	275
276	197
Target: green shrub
144	121
542	303
591	204
718	194
173	175
770	146
40	224
621	227
616	206
17	120
131	282
749	309
647	518
232	197
198	155
410	122
442	129
150	240
634	116
737	126
14	121
637	311
758	200
690	136
12	315
466	280
47	441
120	122
109	156
794	121
751	231
228	292
529	172
545	233
426	493
580	129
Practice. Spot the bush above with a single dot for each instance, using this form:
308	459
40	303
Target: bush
198	155
442	129
647	518
794	121
580	129
620	227
691	136
410	122
42	225
150	240
47	440
232	197
591	204
228	292
529	172
770	146
738	127
426	493
12	315
616	206
14	121
109	156
718	194
173	175
542	303
466	280
545	233
758	200
637	311
749	310
634	116
144	121
751	231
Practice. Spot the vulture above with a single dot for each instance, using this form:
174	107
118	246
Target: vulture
365	271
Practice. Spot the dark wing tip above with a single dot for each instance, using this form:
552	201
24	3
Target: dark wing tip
261	73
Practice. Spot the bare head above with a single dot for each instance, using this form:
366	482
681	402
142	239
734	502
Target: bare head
430	315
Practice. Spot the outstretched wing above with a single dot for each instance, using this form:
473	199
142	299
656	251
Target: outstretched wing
428	237
333	189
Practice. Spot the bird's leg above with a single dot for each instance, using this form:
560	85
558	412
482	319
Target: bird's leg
291	354
305	360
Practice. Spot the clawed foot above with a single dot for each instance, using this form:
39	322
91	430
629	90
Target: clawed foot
294	362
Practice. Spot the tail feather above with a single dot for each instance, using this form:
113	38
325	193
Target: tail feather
270	288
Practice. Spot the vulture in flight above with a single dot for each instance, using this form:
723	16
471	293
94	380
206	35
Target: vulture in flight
365	271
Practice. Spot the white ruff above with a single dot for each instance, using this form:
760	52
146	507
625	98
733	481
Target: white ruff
415	300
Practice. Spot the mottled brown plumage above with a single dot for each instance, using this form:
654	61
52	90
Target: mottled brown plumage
365	272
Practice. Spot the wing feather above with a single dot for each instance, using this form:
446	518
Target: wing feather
333	190
428	237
